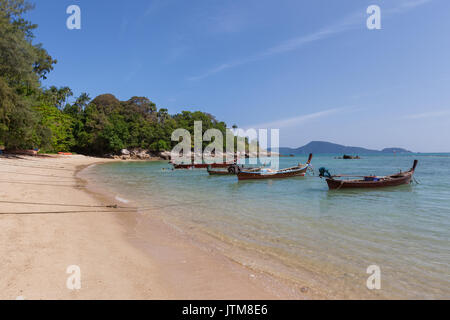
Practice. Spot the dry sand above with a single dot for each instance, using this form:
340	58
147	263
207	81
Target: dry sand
43	230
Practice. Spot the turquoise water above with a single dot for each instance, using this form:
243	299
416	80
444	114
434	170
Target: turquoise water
298	230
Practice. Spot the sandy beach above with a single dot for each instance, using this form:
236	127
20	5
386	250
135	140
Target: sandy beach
50	221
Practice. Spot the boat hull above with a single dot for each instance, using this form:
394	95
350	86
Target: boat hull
201	166
221	173
232	170
394	182
258	176
280	174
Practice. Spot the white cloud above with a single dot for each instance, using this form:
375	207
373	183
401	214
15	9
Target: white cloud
350	22
432	114
286	46
295	121
406	5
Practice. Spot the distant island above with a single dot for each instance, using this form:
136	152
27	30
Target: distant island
318	147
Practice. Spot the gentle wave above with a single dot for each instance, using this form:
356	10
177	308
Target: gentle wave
122	199
296	226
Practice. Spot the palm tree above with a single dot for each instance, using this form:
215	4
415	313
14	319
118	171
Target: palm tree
82	101
163	114
62	95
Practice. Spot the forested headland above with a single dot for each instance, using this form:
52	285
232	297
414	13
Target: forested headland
36	117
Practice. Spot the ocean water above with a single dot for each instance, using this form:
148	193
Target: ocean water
298	230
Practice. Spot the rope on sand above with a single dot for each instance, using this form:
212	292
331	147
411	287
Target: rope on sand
44	184
38	175
38	167
129	209
115	206
61	212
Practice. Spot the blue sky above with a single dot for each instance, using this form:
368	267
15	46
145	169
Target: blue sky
310	68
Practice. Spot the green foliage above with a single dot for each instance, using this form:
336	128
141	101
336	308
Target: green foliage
36	117
56	96
60	125
160	145
22	65
108	125
19	125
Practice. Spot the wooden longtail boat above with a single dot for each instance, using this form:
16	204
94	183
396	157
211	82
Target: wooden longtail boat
261	173
24	152
220	173
394	180
201	166
231	170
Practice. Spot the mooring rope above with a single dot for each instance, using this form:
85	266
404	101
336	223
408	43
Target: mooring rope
67	205
37	167
130	209
61	212
35	174
44	184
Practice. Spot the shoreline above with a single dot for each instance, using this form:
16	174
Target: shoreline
119	255
52	223
184	257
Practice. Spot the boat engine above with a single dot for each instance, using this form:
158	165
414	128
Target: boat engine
234	169
324	173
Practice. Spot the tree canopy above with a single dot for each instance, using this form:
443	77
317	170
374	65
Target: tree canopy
32	116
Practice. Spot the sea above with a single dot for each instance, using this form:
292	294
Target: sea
391	243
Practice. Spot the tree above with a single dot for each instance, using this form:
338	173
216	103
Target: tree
19	125
36	117
82	101
106	103
142	104
22	65
163	115
60	126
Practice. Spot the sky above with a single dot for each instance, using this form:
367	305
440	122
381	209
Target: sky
309	68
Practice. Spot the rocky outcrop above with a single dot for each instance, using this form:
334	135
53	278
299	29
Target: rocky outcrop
166	155
144	154
139	154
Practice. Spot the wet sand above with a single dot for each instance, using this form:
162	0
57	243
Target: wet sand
50	220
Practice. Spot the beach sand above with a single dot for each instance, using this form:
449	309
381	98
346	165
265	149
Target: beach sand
44	230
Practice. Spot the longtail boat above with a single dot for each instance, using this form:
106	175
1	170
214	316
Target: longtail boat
201	166
263	173
231	170
394	180
24	152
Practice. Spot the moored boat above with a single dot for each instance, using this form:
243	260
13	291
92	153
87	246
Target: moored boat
401	178
263	173
24	152
201	166
231	170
